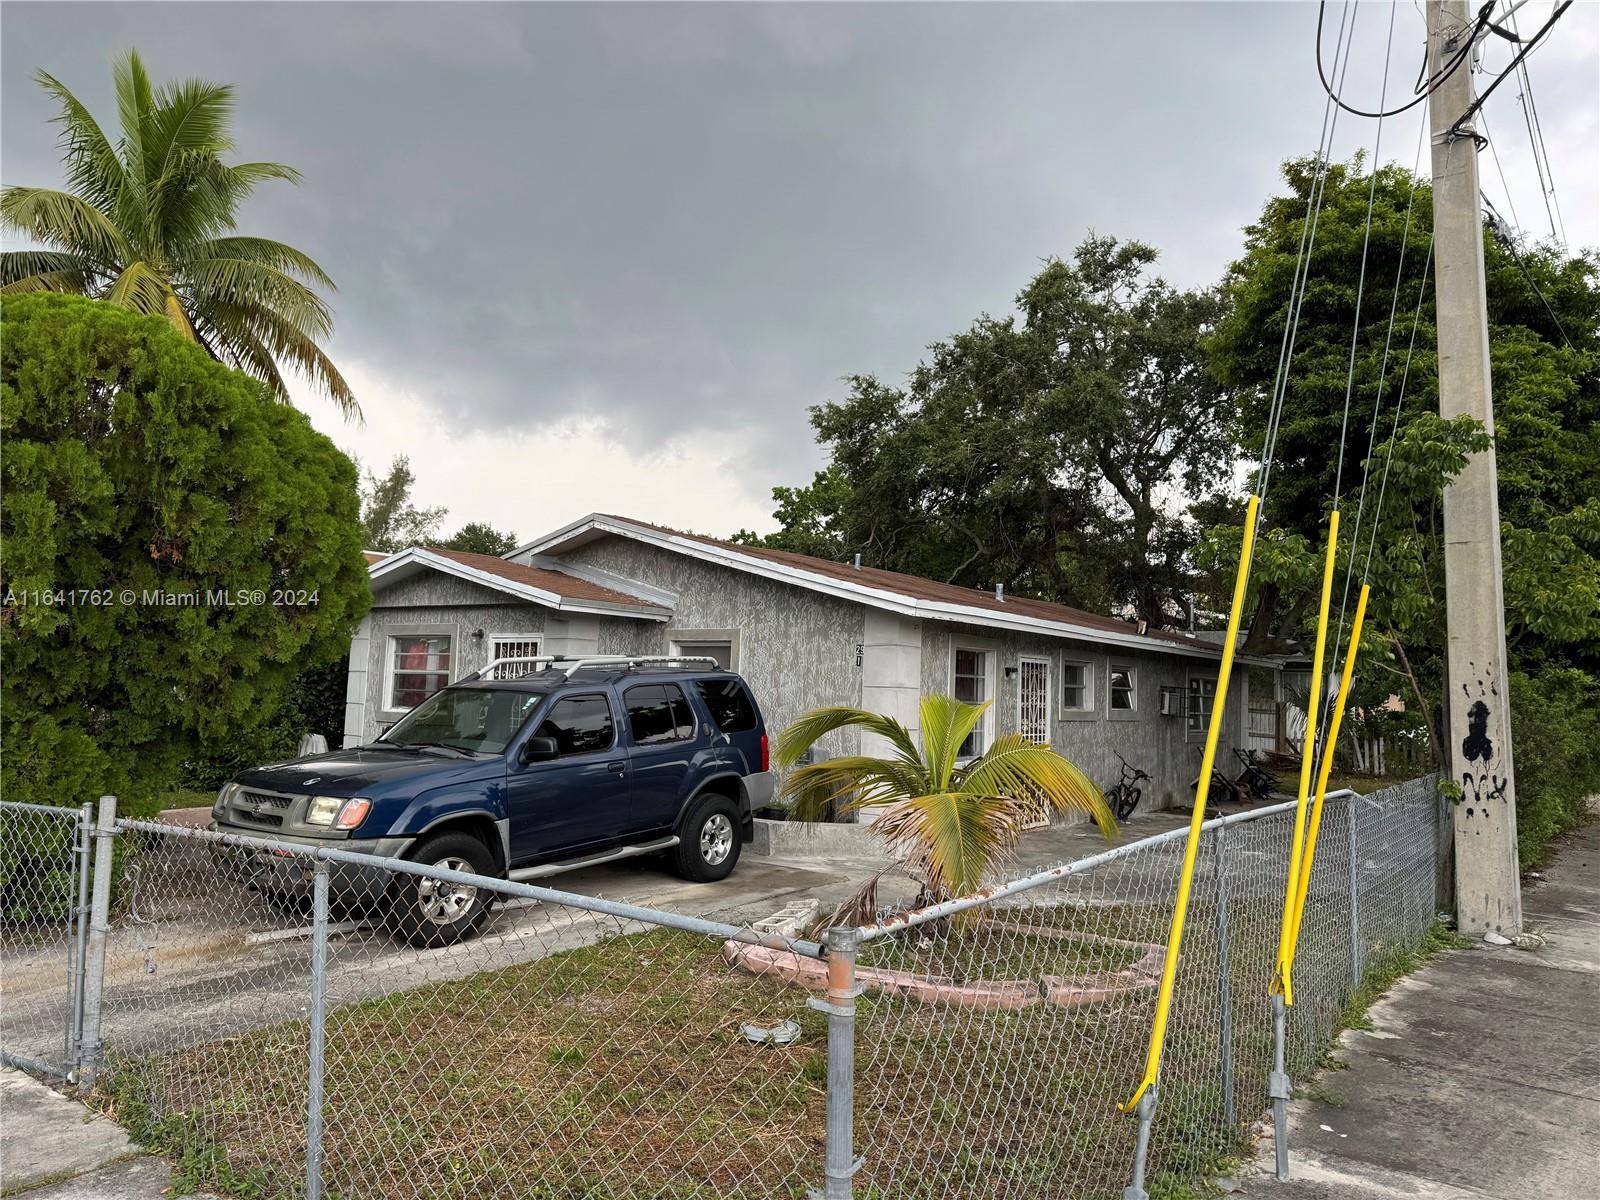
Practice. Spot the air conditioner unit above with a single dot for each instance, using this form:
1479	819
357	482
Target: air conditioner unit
1171	702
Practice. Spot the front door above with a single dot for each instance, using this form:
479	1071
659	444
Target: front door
578	800
1033	712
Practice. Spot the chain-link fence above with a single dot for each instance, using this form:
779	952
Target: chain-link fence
996	1040
289	1021
44	908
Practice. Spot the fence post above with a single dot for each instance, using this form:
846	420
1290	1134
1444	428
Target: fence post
842	1163
1357	966
1224	975
94	971
1145	1110
319	1005
83	853
1278	1088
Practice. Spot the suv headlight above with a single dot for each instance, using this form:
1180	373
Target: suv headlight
337	811
225	796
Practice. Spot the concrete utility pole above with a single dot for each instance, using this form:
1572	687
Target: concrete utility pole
1477	701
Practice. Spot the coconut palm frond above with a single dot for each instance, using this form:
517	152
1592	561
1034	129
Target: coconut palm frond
951	839
1017	767
94	171
854	781
65	221
42	271
946	724
819	722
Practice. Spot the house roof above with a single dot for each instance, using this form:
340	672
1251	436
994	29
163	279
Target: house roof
910	595
551	588
374	556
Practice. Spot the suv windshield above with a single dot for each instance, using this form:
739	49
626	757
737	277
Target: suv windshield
476	720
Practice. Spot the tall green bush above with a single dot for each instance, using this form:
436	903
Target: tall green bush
175	548
1555	728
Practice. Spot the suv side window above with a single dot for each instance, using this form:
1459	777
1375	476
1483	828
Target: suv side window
728	703
658	713
579	724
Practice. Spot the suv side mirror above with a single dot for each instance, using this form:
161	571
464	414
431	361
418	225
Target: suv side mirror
538	749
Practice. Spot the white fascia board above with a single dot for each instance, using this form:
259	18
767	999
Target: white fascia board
416	556
896	602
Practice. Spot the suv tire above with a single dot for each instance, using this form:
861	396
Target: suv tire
711	839
429	913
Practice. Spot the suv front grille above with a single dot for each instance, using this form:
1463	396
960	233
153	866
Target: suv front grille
250	816
257	799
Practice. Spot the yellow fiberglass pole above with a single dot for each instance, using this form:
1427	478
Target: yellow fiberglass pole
1304	883
1169	970
1308	742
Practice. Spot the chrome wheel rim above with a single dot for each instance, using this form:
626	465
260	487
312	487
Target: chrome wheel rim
716	839
445	903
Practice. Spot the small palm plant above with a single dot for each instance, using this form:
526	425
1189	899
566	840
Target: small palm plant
950	822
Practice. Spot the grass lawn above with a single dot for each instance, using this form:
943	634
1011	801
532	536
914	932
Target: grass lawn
618	1071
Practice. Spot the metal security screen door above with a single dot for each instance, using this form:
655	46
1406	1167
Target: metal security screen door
1033	712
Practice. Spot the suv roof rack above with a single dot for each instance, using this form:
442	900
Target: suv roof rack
568	664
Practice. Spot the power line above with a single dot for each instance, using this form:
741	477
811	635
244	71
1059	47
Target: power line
1527	49
1541	155
1506	236
1425	83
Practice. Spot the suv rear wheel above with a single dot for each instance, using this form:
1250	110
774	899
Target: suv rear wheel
710	843
431	912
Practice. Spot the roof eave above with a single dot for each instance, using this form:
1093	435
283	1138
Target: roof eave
861	593
417	556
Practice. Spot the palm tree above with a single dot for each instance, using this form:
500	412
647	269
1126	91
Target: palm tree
950	822
148	224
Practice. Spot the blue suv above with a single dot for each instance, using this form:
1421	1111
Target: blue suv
531	767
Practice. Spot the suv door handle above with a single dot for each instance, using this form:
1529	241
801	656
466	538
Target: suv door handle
616	768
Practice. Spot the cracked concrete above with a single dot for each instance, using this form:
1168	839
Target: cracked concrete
1481	1075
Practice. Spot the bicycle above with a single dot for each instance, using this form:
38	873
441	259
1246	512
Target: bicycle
1123	796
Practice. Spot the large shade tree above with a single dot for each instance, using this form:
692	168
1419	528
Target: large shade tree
1046	450
147	222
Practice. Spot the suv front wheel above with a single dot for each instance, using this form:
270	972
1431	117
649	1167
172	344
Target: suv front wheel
710	840
432	912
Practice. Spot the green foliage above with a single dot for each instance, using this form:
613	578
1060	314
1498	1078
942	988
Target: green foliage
137	465
949	821
476	537
389	521
1546	380
148	224
1038	451
1555	727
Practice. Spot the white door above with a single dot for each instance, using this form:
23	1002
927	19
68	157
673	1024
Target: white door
1033	713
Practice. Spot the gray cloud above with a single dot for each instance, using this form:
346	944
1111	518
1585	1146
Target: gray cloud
690	219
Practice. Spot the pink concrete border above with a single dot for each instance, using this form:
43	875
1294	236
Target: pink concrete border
1062	991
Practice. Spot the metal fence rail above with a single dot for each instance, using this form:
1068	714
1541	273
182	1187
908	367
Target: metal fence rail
257	1008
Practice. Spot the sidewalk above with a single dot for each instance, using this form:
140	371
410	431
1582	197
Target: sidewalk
1481	1074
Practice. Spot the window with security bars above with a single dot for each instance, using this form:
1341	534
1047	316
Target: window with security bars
1033	699
419	667
513	645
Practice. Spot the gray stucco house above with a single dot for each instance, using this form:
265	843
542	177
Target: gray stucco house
803	632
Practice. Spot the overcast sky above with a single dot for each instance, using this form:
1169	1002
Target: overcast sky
603	257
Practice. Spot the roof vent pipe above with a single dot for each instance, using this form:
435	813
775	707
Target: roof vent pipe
1000	592
858	560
